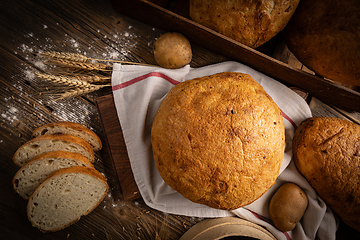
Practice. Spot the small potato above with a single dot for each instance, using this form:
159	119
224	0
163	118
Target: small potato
172	50
287	206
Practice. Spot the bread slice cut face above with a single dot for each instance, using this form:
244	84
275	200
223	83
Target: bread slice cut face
32	174
65	196
51	143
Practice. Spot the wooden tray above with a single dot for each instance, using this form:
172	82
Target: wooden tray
174	16
116	148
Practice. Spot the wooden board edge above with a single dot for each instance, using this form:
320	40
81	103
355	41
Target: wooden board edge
116	148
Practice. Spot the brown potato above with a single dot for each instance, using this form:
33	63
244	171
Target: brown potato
287	206
172	50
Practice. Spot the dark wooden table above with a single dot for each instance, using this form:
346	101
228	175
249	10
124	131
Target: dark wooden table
94	29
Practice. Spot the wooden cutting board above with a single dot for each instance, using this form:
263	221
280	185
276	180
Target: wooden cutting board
115	146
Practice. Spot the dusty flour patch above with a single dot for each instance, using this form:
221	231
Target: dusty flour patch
64	109
10	114
118	46
121	44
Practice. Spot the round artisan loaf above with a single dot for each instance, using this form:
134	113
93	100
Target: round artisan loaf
33	173
65	196
219	140
249	22
70	128
325	37
327	154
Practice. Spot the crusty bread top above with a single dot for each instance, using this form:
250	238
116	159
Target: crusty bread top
219	140
30	176
327	153
30	149
65	196
249	22
70	128
325	36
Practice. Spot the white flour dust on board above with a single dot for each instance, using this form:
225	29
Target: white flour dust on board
117	47
119	44
66	112
10	115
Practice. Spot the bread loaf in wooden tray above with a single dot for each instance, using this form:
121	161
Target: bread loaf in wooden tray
252	23
176	18
325	37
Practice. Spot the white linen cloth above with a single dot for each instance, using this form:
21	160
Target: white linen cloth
138	92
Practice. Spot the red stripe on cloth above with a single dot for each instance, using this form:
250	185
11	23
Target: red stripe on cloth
287	236
261	218
257	215
174	82
145	76
289	119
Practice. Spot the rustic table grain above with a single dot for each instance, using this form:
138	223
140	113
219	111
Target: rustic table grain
94	29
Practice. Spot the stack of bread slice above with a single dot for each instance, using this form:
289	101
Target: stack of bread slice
57	175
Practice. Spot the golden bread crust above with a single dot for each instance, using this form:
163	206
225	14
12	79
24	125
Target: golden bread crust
249	22
327	154
325	37
219	140
80	169
61	127
56	137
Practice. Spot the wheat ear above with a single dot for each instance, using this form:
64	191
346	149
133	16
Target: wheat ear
68	81
99	79
66	56
78	91
76	57
82	65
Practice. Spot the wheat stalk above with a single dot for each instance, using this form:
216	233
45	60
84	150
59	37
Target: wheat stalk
81	65
88	74
76	57
67	56
96	79
93	78
78	91
76	79
68	81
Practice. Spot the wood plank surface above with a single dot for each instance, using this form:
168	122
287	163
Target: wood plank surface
96	30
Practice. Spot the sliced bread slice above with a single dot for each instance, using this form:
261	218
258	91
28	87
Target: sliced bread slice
51	143
65	196
70	128
33	173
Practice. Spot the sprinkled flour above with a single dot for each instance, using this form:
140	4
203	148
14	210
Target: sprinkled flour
118	46
10	115
65	111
